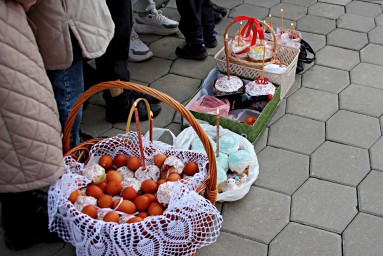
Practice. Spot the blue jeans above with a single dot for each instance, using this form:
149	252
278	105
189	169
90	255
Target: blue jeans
68	85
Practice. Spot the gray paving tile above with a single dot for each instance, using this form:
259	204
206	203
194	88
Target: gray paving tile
372	53
149	38
355	22
339	2
368	74
313	104
370	194
215	50
330	11
262	141
325	79
263	3
338	58
68	250
193	68
150	70
296	85
229	4
315	24
364	236
340	163
221	27
342	128
269	213
316	41
114	131
279	112
300	240
305	3
376	35
379	19
376	152
362	99
290	12
325	205
363	8
347	39
166	137
97	99
285	173
229	244
277	22
249	10
165	47
93	121
297	134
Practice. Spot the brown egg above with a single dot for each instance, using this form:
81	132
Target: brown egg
155	209
74	195
129	193
114	175
142	203
90	210
105	201
93	190
149	186
102	185
112	217
120	160
142	215
135	219
106	162
161	181
190	169
127	206
113	187
174	177
151	197
133	163
159	159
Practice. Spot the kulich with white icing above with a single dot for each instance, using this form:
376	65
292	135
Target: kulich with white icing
131	182
256	53
224	85
94	172
256	89
152	172
164	192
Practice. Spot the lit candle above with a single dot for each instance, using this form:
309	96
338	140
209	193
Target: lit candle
292	30
263	61
217	135
139	138
239	33
282	25
227	57
271	21
151	126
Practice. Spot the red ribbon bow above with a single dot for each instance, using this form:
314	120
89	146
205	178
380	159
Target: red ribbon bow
252	24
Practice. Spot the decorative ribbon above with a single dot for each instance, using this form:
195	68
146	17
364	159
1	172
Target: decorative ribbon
252	24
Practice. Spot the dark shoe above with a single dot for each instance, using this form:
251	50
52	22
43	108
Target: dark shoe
84	136
210	40
219	9
195	51
149	98
217	17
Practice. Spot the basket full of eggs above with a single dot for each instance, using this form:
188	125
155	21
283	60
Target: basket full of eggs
126	195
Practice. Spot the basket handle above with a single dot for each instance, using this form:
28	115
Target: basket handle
211	179
129	121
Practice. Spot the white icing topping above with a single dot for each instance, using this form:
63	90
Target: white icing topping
224	84
256	53
94	172
152	172
164	192
255	89
131	182
176	163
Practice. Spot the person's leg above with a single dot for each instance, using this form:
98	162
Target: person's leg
208	24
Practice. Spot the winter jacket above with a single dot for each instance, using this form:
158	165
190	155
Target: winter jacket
30	133
88	20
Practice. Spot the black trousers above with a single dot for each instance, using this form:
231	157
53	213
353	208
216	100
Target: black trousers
197	19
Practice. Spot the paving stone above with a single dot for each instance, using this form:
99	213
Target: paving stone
330	11
325	79
277	22
215	50
364	236
381	123
93	121
372	53
305	3
343	127
313	104
165	47
279	112
97	99
249	10
379	20
340	163
325	205
149	38
376	153
193	68
376	35
347	39
263	3
229	244
315	24
295	86
290	12
67	250
339	2
362	99
281	170
166	137
370	194
300	240
355	22
222	25
368	74
297	134
262	141
336	57
150	70
230	4
114	132
268	211
363	8
316	41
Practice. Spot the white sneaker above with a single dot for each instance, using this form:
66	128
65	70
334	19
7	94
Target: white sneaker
138	51
155	23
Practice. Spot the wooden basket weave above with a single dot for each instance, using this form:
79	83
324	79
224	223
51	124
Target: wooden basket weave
81	152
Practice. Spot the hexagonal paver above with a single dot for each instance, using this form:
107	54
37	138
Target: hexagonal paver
296	85
230	4
368	74
325	79
313	104
324	204
370	194
315	24
376	35
376	152
379	20
336	57
297	134
285	173
317	42
339	2
193	68
330	11
93	115
249	10
290	12
300	240
340	163
165	47
268	211
363	8
364	236
149	70
281	111
229	244
263	3
305	3
355	22
353	129
347	39
372	53
261	142
362	99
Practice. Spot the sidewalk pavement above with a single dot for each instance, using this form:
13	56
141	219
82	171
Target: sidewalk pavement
319	190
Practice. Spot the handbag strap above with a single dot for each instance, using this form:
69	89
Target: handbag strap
306	47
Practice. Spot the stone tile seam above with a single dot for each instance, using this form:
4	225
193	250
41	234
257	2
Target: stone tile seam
272	190
319	227
243	236
311	118
358	112
338	182
372	214
287	149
